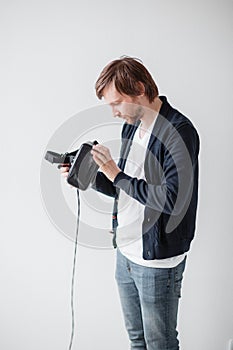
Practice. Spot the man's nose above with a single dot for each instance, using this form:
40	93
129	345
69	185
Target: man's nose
115	112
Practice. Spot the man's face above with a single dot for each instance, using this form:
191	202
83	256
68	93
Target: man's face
123	106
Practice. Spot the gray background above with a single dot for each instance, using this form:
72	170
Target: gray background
51	55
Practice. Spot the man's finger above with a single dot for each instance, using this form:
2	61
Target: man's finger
100	148
63	165
64	170
99	157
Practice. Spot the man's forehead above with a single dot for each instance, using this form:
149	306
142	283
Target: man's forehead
112	96
110	92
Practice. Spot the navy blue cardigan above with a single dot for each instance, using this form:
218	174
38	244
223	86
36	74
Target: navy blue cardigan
170	189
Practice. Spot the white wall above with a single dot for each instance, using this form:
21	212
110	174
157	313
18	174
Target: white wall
51	55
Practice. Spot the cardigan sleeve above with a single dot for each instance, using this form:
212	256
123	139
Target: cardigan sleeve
104	185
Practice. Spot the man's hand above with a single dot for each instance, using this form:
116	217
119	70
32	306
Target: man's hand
64	169
102	157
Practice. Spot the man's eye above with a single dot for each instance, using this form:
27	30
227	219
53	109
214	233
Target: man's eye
114	104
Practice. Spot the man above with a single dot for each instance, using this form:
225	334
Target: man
155	186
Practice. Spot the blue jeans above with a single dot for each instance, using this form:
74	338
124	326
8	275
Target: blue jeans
149	299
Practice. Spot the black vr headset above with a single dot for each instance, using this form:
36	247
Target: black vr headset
83	168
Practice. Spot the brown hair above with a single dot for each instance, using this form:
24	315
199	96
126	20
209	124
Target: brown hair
126	72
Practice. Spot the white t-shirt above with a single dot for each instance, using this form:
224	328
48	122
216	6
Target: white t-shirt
131	212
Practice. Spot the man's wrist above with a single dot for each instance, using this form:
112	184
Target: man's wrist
110	169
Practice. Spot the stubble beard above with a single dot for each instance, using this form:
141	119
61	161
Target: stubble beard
138	114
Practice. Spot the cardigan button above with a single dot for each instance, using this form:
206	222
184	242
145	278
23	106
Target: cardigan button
148	219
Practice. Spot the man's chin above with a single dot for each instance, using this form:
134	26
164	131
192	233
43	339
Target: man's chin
131	121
